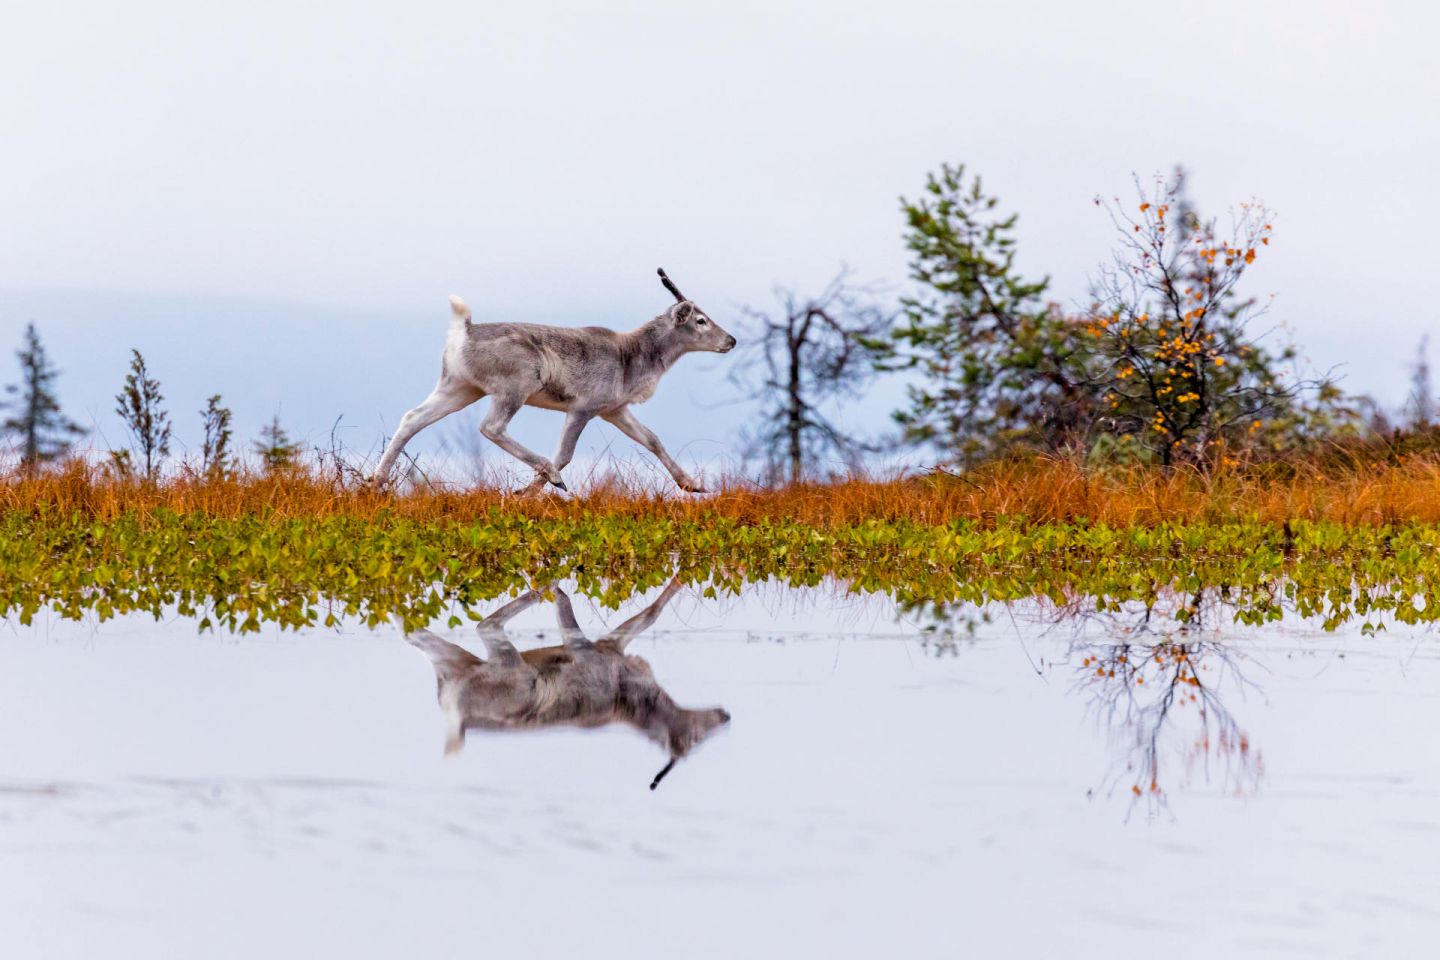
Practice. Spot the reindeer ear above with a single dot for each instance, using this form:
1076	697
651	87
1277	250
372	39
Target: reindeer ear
682	311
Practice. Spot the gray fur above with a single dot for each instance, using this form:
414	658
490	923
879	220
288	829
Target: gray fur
578	683
585	373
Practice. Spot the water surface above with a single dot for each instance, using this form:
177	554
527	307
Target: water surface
880	787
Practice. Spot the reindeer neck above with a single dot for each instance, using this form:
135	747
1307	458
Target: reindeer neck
649	351
647	708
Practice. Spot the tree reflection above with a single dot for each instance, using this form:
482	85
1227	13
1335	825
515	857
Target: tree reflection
1157	676
1162	699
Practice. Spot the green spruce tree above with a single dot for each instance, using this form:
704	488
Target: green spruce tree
991	356
276	450
42	433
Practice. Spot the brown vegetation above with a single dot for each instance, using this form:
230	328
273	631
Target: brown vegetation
1360	488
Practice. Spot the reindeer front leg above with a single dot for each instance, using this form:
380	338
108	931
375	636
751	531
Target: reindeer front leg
643	620
575	641
492	630
643	435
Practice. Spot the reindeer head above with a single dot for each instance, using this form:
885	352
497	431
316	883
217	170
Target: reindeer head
685	730
691	327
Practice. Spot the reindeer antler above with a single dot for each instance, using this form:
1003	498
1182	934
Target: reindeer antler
670	285
661	775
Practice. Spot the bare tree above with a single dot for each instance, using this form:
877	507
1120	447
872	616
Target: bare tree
813	356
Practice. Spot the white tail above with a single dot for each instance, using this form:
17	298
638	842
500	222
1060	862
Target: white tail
462	312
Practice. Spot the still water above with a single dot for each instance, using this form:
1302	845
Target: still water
1032	786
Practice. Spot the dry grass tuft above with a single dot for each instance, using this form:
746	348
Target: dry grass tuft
1038	489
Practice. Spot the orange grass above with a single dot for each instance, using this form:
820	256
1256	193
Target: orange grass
1040	490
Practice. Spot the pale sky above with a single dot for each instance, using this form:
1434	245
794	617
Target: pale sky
272	200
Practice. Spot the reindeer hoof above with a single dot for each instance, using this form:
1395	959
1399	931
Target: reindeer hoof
560	485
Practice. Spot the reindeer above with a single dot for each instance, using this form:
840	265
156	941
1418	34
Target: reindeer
578	683
586	373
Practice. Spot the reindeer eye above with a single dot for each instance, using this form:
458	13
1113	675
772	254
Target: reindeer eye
700	322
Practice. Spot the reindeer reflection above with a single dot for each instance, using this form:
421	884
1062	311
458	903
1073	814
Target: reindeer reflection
1140	688
578	683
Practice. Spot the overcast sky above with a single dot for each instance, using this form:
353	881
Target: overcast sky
274	200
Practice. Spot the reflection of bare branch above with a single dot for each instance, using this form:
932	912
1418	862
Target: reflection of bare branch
1147	692
1154	680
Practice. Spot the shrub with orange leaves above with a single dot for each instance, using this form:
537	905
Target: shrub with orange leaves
1169	337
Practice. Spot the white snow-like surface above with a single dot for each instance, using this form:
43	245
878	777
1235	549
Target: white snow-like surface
166	794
